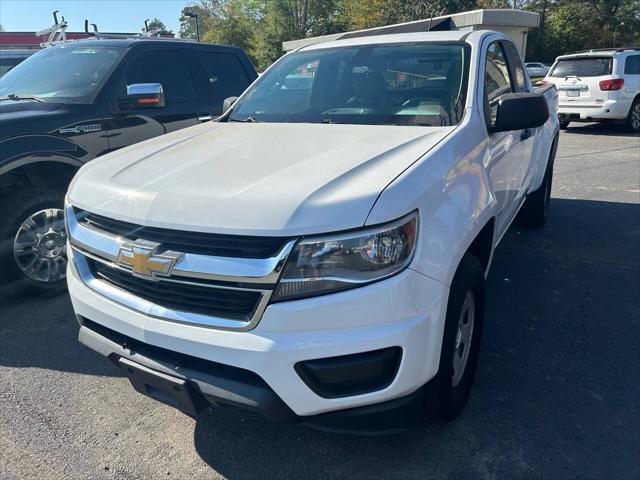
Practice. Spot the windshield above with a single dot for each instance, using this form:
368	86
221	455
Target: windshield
69	74
406	84
583	67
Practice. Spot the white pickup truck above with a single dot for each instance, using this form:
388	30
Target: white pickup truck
318	254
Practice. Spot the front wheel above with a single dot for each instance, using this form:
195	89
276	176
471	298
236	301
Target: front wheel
447	393
33	239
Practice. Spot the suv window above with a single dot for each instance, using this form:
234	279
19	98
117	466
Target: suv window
165	67
632	65
583	67
225	75
497	80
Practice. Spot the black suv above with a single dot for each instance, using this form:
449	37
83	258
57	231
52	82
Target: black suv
70	103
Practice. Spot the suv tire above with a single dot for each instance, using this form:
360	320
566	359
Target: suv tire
633	118
32	239
446	394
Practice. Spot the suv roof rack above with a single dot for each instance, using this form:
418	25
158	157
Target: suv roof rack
147	35
57	32
610	49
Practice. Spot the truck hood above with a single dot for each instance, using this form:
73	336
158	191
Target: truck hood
10	109
253	178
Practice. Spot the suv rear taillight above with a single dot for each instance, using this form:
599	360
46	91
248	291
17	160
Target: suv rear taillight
613	84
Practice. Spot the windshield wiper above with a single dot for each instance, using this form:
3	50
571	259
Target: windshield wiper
15	98
574	76
244	120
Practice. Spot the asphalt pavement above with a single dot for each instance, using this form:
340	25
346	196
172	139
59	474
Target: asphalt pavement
557	393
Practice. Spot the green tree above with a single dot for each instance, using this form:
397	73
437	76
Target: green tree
570	25
260	26
205	9
234	22
157	26
283	20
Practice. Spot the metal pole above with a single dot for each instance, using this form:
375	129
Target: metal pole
195	17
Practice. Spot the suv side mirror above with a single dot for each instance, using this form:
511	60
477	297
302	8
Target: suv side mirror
228	102
142	95
520	111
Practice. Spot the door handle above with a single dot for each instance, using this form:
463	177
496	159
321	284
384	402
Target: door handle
204	118
526	134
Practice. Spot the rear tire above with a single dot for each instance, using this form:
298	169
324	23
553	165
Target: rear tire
33	240
535	210
633	118
446	394
564	125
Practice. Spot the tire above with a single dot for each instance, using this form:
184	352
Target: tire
40	246
535	211
564	125
633	118
446	394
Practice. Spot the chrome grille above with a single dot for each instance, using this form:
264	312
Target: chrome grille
238	246
226	292
182	296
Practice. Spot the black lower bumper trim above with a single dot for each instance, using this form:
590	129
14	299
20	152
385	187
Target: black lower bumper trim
192	384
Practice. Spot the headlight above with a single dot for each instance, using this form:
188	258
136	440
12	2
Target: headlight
338	262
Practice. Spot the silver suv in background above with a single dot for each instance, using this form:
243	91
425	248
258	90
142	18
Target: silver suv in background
536	70
598	85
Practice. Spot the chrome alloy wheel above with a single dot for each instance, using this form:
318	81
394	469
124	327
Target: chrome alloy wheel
39	247
635	116
464	336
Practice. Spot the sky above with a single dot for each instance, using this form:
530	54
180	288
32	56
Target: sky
110	15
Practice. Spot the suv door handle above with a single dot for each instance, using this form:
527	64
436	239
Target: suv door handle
204	118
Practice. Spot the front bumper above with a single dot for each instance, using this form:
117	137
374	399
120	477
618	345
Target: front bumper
405	311
192	384
609	110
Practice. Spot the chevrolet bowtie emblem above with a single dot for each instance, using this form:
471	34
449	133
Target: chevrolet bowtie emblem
142	259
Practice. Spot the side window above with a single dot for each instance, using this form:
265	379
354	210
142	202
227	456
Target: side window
165	67
225	75
497	80
632	65
519	79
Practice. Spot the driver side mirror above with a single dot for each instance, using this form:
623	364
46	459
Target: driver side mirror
520	111
228	103
142	95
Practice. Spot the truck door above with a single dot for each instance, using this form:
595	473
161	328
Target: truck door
505	148
520	168
182	102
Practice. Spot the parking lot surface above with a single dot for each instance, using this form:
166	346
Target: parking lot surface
557	392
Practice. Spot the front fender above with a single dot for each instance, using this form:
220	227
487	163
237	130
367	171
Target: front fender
450	188
25	149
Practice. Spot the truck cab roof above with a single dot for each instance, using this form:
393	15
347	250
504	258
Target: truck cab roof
146	42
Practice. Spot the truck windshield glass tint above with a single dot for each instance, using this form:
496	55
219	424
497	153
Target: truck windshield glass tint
61	74
583	67
416	84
